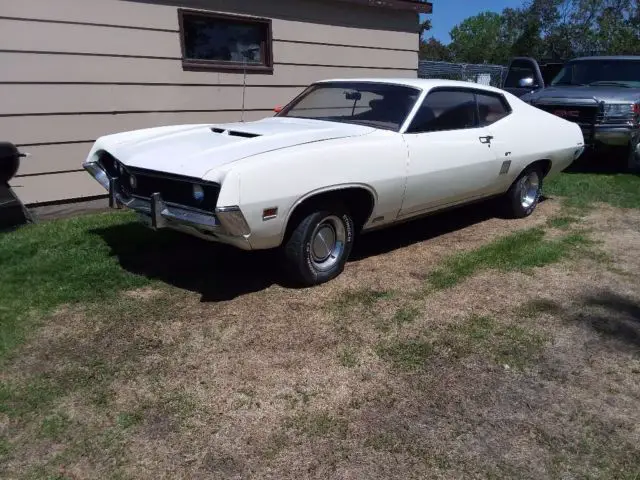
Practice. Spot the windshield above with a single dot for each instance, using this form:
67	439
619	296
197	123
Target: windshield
625	73
379	105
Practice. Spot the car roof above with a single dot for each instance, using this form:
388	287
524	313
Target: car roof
421	83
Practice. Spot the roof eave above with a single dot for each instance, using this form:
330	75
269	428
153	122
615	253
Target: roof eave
417	6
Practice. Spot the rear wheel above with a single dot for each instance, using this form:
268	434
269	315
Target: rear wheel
524	195
319	245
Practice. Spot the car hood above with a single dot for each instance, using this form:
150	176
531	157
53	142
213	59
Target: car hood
194	150
597	94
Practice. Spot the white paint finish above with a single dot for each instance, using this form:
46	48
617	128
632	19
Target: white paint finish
55	187
447	168
194	150
376	162
51	99
36	67
299	158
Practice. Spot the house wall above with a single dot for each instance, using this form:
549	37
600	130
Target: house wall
73	70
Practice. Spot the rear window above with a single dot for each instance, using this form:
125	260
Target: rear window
491	108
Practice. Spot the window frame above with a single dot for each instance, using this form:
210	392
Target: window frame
266	44
472	91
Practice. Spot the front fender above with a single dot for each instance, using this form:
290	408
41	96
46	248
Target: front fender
284	179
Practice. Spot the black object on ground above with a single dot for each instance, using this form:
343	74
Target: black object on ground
12	212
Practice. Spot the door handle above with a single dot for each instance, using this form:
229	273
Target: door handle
486	139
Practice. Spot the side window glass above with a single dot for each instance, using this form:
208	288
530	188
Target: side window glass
445	110
491	108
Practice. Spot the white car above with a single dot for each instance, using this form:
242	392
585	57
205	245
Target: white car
345	156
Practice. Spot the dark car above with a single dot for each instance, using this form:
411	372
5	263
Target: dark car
601	94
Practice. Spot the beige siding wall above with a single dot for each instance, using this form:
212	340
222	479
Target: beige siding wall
73	70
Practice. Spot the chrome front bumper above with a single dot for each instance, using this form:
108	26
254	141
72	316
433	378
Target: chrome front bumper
226	225
615	136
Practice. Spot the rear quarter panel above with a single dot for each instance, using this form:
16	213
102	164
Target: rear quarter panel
530	134
285	178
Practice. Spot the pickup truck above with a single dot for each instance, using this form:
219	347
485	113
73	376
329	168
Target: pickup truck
601	94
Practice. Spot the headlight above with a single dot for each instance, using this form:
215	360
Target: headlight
618	112
198	193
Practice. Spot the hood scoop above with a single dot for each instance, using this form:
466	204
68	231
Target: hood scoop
235	133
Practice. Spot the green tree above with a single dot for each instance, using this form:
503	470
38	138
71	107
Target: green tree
479	39
434	49
558	29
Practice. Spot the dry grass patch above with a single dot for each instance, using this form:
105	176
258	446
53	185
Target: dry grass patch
370	376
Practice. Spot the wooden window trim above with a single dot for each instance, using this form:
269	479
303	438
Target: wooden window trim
221	66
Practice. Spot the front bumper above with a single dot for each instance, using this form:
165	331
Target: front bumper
614	136
226	225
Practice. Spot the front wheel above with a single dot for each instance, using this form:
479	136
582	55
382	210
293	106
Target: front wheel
319	246
524	195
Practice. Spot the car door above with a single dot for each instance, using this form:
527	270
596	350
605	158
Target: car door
451	159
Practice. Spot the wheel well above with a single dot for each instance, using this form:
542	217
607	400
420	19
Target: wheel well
544	165
358	201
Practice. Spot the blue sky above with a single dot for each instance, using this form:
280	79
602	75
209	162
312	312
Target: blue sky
449	13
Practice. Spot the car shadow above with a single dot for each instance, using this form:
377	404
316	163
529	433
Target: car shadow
422	229
606	162
219	273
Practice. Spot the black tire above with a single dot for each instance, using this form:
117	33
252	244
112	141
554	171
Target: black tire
519	205
303	261
632	158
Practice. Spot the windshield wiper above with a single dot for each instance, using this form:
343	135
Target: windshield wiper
610	82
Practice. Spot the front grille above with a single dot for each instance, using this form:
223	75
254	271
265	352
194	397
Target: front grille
135	182
582	114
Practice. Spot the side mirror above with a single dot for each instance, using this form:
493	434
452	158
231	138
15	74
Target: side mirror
278	109
526	82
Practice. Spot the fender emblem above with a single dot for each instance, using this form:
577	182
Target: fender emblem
506	165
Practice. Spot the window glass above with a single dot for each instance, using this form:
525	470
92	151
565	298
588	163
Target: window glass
380	105
604	72
445	110
220	40
491	108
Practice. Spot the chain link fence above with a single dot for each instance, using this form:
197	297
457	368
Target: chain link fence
485	74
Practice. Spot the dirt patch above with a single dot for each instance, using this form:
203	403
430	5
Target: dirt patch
375	375
146	293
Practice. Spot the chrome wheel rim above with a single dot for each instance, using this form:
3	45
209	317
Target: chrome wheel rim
529	189
327	242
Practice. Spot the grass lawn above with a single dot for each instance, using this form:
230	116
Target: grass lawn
584	189
502	349
56	263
